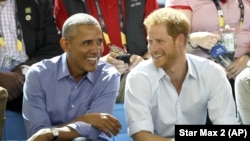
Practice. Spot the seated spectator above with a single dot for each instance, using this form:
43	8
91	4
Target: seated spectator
174	87
242	94
217	27
28	34
3	101
122	24
77	96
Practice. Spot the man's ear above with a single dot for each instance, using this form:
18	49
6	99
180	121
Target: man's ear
180	40
64	44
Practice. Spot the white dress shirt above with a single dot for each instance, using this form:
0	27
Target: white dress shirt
153	104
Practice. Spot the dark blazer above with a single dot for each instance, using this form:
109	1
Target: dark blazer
40	33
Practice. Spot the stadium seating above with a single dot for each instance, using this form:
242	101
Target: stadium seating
120	114
14	126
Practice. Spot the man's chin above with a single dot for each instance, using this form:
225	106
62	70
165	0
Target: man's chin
91	69
158	64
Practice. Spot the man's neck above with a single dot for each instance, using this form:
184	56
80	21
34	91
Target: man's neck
178	74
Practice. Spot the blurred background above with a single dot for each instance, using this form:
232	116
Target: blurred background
161	3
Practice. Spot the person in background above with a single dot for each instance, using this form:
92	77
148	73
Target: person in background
182	83
28	34
123	30
3	101
242	94
226	21
77	96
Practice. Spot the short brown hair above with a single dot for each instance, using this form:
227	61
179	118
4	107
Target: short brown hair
175	21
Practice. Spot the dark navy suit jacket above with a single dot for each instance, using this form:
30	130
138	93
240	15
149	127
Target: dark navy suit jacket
40	35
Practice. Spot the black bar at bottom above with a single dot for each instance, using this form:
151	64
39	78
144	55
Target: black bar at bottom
218	132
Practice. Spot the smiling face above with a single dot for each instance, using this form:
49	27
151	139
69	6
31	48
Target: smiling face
83	49
168	30
162	46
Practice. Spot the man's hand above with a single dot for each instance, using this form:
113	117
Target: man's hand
118	64
206	40
104	122
237	66
134	60
13	82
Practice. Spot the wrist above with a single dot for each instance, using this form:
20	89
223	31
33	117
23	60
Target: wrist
55	133
24	69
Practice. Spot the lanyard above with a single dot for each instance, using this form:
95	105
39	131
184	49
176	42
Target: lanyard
121	19
220	13
19	35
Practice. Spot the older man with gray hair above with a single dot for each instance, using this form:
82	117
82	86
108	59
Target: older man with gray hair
73	95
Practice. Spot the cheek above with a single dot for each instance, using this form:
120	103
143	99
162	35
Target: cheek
76	54
101	50
153	47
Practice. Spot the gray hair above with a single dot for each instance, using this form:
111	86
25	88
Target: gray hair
70	26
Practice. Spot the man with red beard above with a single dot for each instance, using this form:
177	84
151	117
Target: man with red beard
174	87
72	95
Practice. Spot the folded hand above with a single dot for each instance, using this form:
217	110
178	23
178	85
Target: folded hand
13	82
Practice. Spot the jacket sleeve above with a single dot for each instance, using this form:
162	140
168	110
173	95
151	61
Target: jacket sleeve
65	8
134	29
60	13
150	6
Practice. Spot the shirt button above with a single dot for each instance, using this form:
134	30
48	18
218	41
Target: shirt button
73	106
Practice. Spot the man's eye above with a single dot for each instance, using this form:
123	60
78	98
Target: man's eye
159	41
99	42
87	43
